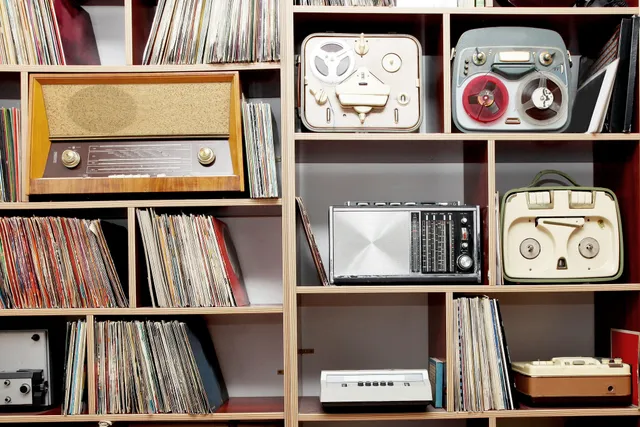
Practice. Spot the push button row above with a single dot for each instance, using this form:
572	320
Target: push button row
375	383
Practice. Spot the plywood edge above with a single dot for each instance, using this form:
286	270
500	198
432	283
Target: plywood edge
446	71
492	228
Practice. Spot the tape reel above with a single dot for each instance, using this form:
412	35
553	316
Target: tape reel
485	99
541	98
333	61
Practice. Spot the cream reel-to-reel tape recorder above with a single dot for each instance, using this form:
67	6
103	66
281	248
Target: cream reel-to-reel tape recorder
367	83
511	79
561	234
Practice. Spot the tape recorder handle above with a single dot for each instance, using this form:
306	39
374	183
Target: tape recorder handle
538	177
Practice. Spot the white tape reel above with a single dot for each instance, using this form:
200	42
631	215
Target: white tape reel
332	62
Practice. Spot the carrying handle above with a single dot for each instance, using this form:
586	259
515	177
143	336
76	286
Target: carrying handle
538	177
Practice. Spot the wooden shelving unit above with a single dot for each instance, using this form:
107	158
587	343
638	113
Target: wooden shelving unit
306	315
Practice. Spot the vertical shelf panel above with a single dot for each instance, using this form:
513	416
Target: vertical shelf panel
492	242
24	143
446	72
91	366
128	29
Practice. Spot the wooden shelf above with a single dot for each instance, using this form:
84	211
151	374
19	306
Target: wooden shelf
310	409
423	289
256	66
466	11
144	311
304	136
237	408
123	204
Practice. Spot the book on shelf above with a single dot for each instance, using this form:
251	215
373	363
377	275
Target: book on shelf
10	154
482	362
53	262
46	32
191	261
311	241
257	120
75	367
625	344
438	380
155	367
213	31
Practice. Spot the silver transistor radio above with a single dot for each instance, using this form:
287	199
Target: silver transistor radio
511	79
388	242
361	82
561	234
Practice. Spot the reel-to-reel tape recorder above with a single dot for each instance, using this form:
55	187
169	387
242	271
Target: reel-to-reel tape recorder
561	233
511	79
361	83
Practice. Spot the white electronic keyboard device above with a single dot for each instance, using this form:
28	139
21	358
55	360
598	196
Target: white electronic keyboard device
379	390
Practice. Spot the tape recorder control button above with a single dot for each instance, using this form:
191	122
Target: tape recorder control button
546	58
391	62
479	58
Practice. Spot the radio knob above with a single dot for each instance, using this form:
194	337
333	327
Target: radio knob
464	262
464	220
206	156
70	159
7	399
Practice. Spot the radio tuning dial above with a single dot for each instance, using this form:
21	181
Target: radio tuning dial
464	262
70	159
206	156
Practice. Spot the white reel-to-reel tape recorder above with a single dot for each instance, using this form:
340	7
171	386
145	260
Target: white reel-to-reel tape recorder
561	233
511	79
361	83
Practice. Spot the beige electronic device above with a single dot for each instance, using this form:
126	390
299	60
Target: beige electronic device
361	82
561	234
573	380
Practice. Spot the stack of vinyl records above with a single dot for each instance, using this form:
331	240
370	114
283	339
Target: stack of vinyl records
30	33
75	368
191	261
346	2
10	154
261	157
214	31
482	363
52	262
153	367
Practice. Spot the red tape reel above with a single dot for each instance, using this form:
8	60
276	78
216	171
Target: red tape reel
485	99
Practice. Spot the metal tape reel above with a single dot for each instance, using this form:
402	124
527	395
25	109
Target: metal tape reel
542	99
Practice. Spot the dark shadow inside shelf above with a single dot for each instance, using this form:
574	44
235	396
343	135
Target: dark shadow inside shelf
576	421
608	164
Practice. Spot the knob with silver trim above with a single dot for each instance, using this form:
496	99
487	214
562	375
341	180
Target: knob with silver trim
464	262
206	156
70	159
464	220
25	388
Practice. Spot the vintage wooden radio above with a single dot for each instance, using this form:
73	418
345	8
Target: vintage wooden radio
135	132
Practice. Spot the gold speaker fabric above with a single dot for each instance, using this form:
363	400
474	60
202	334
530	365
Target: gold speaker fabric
137	110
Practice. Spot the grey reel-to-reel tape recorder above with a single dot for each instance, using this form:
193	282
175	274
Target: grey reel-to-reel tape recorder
511	79
361	82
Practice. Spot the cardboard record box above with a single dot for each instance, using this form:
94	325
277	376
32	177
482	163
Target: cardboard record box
135	132
573	381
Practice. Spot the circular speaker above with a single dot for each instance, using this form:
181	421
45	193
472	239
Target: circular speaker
541	99
332	62
485	99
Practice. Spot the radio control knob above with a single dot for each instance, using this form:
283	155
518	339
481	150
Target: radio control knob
464	220
70	159
206	156
464	262
7	399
